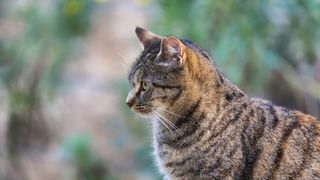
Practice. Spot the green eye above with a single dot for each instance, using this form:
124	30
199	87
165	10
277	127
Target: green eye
145	85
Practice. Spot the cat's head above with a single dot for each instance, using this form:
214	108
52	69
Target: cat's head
166	74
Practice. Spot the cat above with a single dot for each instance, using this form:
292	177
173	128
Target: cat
204	127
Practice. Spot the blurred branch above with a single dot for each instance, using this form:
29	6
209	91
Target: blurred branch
305	84
27	129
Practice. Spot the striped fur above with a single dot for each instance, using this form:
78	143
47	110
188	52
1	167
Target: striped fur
215	131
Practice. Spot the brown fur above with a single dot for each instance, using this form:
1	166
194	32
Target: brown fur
205	127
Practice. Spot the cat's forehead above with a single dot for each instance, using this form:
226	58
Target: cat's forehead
145	61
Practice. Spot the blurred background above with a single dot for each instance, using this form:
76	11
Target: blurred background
64	63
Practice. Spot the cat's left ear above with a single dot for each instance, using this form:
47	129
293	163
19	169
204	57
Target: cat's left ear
146	37
171	51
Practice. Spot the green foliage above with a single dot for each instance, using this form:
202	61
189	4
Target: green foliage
30	66
88	165
249	39
21	101
48	37
73	16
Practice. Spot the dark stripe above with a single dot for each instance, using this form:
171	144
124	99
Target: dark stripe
188	114
220	77
214	166
248	148
165	86
185	140
235	118
196	140
205	54
177	163
152	50
261	127
275	118
162	153
307	152
279	151
276	160
218	157
176	97
220	168
261	132
214	135
158	97
231	165
229	96
210	147
183	174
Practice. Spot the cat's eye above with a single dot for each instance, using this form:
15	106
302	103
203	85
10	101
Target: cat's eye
145	85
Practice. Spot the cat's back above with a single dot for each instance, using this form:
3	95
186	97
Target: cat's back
290	144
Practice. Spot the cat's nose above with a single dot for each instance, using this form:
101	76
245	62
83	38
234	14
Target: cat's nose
130	100
130	103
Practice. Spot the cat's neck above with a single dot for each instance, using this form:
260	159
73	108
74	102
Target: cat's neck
169	124
207	104
206	93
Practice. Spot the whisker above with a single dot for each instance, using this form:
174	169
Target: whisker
169	123
162	122
172	113
123	58
166	120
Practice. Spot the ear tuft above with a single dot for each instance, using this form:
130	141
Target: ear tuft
146	37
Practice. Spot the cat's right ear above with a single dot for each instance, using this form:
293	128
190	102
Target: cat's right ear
171	52
146	37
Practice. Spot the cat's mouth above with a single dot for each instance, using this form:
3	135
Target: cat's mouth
142	110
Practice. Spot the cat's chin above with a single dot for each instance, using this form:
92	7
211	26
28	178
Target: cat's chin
146	116
144	113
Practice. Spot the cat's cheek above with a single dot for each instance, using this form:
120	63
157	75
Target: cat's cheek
160	106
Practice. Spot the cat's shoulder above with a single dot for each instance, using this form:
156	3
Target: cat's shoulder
261	103
300	116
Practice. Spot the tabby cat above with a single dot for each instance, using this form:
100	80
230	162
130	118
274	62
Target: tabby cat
204	127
